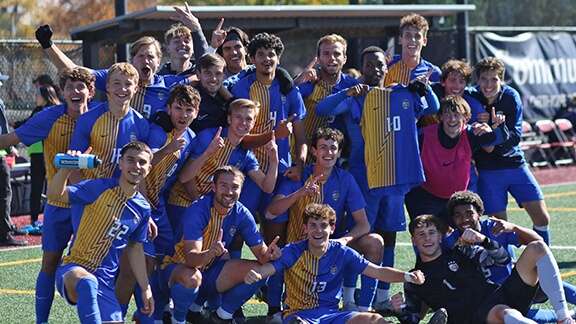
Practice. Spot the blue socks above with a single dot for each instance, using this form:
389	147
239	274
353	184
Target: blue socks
274	292
235	254
182	297
234	298
87	291
44	296
367	291
543	232
387	261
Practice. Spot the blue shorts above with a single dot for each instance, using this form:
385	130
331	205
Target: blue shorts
385	210
494	186
175	215
164	243
322	316
57	228
209	277
107	303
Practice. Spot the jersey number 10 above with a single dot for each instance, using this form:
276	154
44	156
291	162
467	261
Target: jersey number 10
393	124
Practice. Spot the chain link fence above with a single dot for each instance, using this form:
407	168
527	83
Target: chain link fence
23	61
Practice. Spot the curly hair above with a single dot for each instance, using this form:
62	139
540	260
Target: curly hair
490	64
460	198
184	94
457	66
455	104
320	212
416	21
265	40
328	133
77	74
427	220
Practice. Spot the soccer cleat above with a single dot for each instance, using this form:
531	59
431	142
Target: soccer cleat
239	317
440	316
296	320
215	319
195	317
275	318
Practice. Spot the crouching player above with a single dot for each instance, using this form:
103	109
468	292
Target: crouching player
201	257
108	216
325	183
314	270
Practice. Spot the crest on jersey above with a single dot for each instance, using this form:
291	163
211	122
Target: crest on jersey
335	195
453	266
405	104
133	137
161	96
232	231
333	269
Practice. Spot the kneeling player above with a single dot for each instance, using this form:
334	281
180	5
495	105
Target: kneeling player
108	215
455	281
208	228
314	270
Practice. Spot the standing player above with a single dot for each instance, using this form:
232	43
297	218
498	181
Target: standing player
454	279
54	126
325	183
208	228
384	157
504	170
314	270
113	124
109	215
446	149
315	85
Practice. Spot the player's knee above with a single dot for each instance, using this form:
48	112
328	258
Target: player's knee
374	245
366	317
50	263
192	282
536	248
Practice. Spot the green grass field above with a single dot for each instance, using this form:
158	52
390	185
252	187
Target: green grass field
18	268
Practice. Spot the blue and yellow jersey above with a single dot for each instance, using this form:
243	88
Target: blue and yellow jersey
400	73
164	173
236	156
201	222
148	99
340	191
382	133
312	93
274	107
313	281
104	220
106	134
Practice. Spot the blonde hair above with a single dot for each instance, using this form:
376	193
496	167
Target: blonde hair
331	39
124	68
145	41
176	30
243	104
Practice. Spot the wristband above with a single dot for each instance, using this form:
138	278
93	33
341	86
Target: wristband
408	277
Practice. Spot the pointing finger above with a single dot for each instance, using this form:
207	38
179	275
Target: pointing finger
220	24
275	240
218	132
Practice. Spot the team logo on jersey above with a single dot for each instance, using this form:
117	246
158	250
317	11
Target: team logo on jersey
335	195
232	231
161	96
405	104
133	137
333	269
453	266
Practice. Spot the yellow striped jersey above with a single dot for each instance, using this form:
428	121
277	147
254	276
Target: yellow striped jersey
106	134
104	220
295	230
201	222
400	73
315	282
259	93
54	127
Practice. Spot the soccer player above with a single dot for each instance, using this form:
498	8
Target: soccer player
447	148
146	54
455	281
325	183
185	44
316	85
54	126
314	270
231	44
410	64
213	106
465	209
384	157
111	125
208	228
504	170
109	216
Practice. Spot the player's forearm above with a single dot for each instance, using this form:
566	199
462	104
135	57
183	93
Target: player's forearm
361	226
269	181
526	235
326	107
282	204
252	141
8	140
138	263
58	58
266	270
160	154
301	147
387	274
56	189
198	259
192	168
432	100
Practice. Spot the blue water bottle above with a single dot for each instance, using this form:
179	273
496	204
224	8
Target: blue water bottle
82	161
